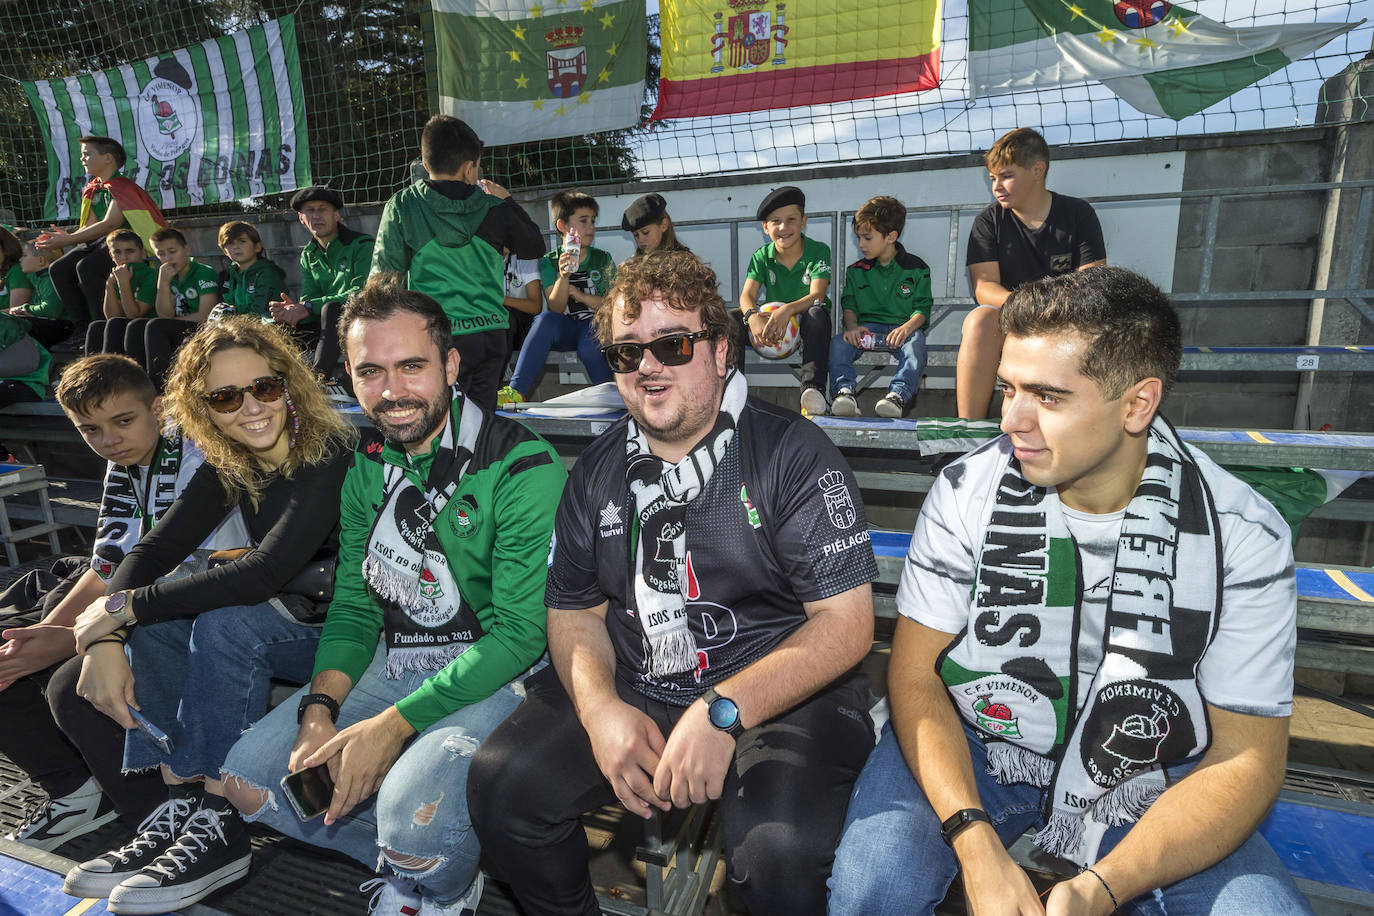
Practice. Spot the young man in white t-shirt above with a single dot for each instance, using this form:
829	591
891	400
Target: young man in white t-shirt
1096	641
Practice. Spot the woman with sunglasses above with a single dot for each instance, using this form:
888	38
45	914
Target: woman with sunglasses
201	649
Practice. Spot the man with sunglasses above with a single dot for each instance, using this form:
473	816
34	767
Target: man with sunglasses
444	534
708	600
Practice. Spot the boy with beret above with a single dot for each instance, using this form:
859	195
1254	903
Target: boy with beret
794	270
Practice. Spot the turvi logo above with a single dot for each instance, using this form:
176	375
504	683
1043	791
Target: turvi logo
168	114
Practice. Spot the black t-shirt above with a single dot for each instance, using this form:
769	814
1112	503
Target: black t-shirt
780	522
1069	237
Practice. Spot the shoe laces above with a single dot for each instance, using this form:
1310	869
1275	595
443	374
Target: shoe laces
35	817
377	887
205	825
160	825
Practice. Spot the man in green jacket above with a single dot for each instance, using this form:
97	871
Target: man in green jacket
450	572
334	265
445	235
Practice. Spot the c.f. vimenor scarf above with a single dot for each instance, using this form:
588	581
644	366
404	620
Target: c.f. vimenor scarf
1013	673
132	500
427	622
660	493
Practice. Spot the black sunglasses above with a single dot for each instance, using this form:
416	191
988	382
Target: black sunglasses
670	350
228	399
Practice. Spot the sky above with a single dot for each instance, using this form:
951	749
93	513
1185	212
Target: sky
944	120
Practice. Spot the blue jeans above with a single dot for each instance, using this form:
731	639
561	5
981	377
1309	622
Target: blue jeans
891	859
911	361
204	679
431	771
556	331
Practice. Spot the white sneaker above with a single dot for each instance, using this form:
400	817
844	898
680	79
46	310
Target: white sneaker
61	819
890	407
844	404
463	906
159	830
813	402
392	896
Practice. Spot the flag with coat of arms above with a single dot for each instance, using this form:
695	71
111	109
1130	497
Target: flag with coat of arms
520	70
1157	56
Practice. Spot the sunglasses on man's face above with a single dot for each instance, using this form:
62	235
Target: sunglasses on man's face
228	399
669	350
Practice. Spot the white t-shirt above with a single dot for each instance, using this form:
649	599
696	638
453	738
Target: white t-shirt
1248	668
519	273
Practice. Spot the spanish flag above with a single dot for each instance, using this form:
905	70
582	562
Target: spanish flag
729	56
142	215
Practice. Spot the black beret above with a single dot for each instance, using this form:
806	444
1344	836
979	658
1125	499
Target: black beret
781	197
648	209
316	192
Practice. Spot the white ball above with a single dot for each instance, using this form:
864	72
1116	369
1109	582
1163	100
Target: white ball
791	337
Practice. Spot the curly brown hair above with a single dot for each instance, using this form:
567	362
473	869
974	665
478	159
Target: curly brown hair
322	431
685	282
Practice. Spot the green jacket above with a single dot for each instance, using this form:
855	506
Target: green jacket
334	273
888	294
499	558
450	248
249	291
783	285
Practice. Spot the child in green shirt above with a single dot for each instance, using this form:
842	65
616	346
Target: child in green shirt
795	271
886	303
34	299
251	283
130	293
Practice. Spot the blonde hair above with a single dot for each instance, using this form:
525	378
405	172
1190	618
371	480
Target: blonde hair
322	431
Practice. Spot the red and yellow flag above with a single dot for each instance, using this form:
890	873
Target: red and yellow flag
728	56
140	212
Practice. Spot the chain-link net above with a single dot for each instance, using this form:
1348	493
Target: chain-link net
366	93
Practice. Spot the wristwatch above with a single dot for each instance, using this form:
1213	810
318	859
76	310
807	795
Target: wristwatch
723	713
117	606
318	699
957	822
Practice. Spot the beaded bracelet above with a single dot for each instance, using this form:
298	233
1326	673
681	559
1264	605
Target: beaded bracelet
1105	886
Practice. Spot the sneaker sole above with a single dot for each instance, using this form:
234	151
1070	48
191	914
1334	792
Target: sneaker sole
841	409
887	410
813	402
153	900
48	844
93	884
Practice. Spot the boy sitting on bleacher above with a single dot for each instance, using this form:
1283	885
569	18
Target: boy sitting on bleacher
886	302
793	269
1096	641
33	298
252	281
113	405
129	293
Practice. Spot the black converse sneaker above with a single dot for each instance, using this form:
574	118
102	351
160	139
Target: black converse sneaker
159	830
65	818
212	852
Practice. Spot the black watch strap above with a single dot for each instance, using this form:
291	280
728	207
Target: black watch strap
957	822
321	699
733	729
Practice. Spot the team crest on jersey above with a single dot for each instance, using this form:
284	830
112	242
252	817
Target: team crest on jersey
838	504
905	289
749	510
463	522
1061	263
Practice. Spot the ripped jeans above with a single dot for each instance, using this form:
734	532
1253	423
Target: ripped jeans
420	810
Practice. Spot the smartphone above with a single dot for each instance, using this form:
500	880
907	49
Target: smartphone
152	731
309	791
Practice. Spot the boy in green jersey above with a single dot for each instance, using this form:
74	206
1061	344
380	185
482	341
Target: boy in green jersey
444	235
574	284
33	298
130	293
886	303
793	270
187	291
251	282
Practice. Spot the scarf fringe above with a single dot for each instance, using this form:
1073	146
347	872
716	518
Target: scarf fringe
1062	835
1127	801
389	583
1009	764
400	659
674	653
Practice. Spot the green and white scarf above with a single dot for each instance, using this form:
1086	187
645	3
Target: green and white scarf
658	556
131	501
427	622
1013	672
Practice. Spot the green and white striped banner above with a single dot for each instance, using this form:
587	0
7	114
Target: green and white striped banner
218	121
